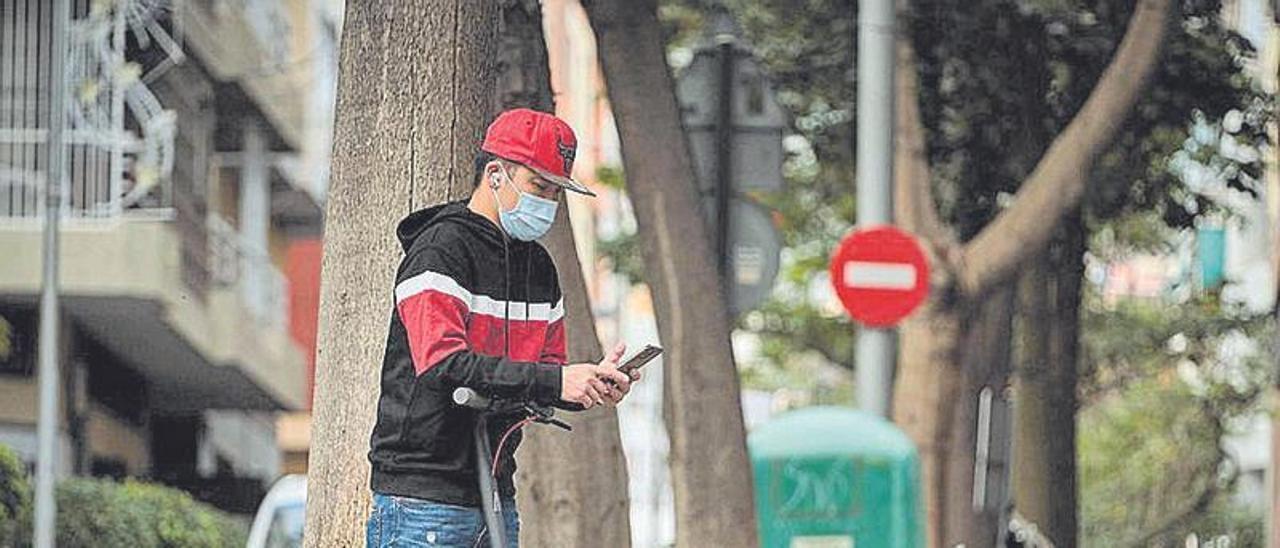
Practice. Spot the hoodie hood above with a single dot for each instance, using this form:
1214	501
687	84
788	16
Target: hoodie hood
414	224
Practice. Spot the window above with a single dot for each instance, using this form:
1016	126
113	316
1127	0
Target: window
17	341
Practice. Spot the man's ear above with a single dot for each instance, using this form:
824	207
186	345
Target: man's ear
491	172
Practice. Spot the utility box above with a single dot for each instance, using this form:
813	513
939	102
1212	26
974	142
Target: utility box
834	477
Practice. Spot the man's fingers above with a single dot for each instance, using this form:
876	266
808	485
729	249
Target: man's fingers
598	385
595	390
589	397
619	378
615	397
616	354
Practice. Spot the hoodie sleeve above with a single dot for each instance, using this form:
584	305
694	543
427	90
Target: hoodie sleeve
554	348
434	305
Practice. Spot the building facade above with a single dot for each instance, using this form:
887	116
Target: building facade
190	188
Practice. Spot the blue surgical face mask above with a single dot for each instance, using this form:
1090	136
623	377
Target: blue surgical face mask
532	216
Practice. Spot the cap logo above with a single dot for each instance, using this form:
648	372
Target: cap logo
566	153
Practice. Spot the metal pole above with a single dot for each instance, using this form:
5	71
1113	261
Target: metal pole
875	355
724	155
47	428
490	498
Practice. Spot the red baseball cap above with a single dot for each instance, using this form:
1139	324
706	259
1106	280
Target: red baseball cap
537	140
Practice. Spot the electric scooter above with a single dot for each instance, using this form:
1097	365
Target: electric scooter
490	408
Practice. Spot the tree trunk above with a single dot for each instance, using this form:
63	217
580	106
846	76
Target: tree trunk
952	358
986	364
414	83
709	468
934	385
565	500
573	485
1045	391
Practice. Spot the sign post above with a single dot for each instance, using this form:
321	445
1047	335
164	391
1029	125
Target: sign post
735	126
880	275
874	180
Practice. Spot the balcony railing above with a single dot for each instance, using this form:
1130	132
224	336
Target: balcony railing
263	289
111	166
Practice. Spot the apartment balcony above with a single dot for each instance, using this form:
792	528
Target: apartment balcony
206	325
247	43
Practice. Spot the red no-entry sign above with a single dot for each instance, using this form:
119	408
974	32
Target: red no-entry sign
880	275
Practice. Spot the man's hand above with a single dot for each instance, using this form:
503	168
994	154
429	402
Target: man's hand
618	390
585	383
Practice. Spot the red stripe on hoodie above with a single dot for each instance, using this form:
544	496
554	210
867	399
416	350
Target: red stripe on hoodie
436	326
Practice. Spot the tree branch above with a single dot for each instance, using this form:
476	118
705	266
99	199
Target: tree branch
1058	182
914	207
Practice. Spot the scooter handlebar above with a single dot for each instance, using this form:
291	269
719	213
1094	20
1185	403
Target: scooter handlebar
467	397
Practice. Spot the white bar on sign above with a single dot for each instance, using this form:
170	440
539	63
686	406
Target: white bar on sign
879	275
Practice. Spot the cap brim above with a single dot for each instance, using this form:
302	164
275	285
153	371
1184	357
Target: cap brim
565	182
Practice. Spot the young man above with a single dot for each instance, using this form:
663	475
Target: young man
477	305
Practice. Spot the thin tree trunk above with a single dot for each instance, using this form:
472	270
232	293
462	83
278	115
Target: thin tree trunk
710	472
572	486
1045	392
414	82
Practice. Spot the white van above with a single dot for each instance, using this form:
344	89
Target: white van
278	523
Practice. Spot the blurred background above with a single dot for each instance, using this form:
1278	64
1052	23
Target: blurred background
198	154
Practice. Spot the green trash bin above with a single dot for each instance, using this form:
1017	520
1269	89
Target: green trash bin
834	477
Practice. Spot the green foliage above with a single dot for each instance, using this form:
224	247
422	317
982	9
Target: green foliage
1163	385
101	512
6	339
15	498
791	329
93	513
611	177
623	253
993	106
999	80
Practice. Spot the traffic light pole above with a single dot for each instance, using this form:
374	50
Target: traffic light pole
875	354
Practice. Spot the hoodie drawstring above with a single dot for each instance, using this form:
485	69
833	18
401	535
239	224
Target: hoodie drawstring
528	263
506	313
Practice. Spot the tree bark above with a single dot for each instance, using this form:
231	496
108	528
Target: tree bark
973	518
1045	391
415	79
935	383
710	471
565	500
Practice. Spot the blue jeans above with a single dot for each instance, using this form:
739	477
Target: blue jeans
409	522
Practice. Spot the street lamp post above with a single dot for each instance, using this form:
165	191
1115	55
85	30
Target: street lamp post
47	427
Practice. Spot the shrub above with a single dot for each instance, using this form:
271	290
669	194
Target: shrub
15	499
139	515
132	514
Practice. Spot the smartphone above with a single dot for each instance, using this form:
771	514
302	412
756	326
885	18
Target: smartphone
644	356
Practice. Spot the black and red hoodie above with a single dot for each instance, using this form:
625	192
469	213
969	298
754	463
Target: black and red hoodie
473	308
